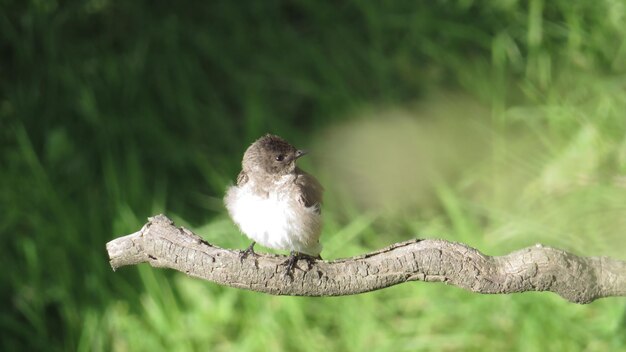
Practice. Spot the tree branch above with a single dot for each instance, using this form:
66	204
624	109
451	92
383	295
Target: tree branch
537	268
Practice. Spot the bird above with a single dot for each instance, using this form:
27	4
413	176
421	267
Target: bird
275	203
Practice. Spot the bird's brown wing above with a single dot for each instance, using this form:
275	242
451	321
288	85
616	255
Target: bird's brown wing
310	191
242	178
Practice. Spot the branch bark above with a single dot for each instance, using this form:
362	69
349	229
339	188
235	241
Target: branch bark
539	268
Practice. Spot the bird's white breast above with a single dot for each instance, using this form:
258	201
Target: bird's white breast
276	219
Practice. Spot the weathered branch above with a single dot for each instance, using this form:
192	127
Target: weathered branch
538	268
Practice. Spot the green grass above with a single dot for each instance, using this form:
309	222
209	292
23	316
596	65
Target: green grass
496	123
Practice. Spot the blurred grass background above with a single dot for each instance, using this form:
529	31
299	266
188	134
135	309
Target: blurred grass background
496	123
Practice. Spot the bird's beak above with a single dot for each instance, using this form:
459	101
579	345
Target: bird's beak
300	153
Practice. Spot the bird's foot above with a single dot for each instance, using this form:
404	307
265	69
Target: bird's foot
290	263
247	252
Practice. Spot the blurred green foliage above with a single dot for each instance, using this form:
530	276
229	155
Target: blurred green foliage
112	111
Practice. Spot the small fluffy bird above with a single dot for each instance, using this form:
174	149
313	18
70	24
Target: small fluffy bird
274	202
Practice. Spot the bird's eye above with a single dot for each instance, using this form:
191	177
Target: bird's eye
280	157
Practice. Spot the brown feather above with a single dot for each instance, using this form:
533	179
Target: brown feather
310	190
242	178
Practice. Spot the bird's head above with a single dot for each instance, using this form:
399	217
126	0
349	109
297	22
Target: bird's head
271	155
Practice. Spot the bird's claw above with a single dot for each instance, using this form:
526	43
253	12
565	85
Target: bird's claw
290	263
247	252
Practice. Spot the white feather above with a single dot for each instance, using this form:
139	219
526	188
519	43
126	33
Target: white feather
277	221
